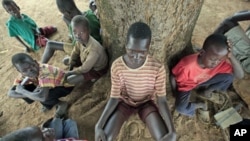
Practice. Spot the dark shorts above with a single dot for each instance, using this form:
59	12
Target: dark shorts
53	96
143	110
93	74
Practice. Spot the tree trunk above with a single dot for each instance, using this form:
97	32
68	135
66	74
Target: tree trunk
172	23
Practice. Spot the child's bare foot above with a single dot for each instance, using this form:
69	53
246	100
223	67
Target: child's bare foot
61	109
206	93
28	50
202	105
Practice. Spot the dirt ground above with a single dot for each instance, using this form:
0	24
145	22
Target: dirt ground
18	114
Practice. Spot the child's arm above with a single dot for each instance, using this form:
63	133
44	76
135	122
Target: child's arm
232	21
88	64
165	113
107	112
39	94
241	16
160	86
237	68
12	93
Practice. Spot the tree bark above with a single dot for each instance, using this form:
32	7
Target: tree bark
172	23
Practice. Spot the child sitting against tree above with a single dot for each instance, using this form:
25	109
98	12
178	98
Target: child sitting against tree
69	10
24	28
88	59
213	68
137	79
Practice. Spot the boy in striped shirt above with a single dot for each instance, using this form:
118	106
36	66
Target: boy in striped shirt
137	79
45	83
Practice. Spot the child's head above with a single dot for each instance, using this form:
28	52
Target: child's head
92	5
25	65
81	29
11	7
25	134
214	50
67	8
138	41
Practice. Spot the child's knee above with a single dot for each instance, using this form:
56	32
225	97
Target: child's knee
228	78
180	108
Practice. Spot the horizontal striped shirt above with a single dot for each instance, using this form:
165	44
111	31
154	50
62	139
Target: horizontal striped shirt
49	76
139	85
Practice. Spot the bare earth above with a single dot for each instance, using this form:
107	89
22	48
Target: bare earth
18	114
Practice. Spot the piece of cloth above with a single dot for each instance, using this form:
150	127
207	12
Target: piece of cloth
63	128
92	56
24	28
143	110
188	74
49	76
241	46
41	40
219	82
136	86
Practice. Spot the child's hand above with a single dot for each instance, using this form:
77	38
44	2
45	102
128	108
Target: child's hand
38	31
19	89
230	46
48	134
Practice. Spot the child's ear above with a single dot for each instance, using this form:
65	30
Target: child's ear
202	52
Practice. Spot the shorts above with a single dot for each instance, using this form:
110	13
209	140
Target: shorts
143	110
93	74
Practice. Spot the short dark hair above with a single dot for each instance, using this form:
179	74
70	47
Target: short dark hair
24	134
218	40
80	19
139	30
21	58
8	2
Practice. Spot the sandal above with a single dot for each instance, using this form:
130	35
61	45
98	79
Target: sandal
216	97
203	116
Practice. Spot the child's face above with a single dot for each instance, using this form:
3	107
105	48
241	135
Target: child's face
211	58
81	33
13	10
30	69
137	50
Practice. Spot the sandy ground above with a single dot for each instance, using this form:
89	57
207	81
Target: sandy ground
18	114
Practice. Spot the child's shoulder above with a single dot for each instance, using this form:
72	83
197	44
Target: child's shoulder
190	58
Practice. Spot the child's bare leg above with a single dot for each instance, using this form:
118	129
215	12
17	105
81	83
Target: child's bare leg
75	79
156	125
50	48
114	125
